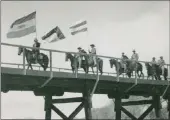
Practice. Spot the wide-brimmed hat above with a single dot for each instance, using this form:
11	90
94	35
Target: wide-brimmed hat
92	45
123	53
134	50
79	48
153	58
161	56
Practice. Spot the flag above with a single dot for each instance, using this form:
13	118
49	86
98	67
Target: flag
78	27
23	26
78	24
54	35
77	31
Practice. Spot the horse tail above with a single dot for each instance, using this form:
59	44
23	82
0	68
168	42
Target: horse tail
166	73
141	66
45	61
101	66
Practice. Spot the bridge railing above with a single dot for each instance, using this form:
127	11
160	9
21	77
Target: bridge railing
75	53
54	68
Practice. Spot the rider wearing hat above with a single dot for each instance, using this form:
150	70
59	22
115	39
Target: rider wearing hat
79	56
123	61
161	64
36	51
134	57
153	62
93	51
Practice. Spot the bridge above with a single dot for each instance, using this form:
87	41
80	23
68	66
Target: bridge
56	81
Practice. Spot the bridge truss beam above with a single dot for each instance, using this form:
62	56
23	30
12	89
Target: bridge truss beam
154	104
85	102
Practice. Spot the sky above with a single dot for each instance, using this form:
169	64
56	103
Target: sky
113	26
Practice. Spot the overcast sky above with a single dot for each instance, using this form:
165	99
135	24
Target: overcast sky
114	27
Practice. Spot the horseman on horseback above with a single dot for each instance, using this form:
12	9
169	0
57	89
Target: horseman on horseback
36	52
153	62
135	58
80	57
161	64
123	62
93	52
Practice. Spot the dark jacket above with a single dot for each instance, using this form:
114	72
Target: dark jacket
36	45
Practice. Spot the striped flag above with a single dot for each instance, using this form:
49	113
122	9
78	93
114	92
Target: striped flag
54	35
78	27
23	26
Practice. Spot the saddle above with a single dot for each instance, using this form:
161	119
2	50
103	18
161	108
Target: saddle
90	60
39	56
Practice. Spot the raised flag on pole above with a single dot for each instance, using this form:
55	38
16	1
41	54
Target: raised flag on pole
23	26
54	35
78	27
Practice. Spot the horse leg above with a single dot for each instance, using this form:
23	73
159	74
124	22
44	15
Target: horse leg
84	68
92	70
31	67
73	70
28	66
42	65
142	74
101	71
152	77
156	77
165	77
129	75
138	74
87	70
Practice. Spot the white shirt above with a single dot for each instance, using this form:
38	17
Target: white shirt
135	56
93	51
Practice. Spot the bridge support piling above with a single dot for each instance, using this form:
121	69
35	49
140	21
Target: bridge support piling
157	106
118	108
48	104
87	105
154	104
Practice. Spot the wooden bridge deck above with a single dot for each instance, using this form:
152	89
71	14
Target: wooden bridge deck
15	80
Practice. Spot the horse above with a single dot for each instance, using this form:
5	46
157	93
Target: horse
42	58
153	71
74	60
132	66
117	65
119	68
165	72
90	63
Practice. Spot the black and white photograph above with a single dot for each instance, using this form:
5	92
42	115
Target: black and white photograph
85	60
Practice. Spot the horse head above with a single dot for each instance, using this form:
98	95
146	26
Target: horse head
147	65
20	50
112	62
68	56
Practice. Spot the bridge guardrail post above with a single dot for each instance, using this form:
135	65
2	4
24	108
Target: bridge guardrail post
76	63
50	62
97	77
117	70
136	78
24	61
168	68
